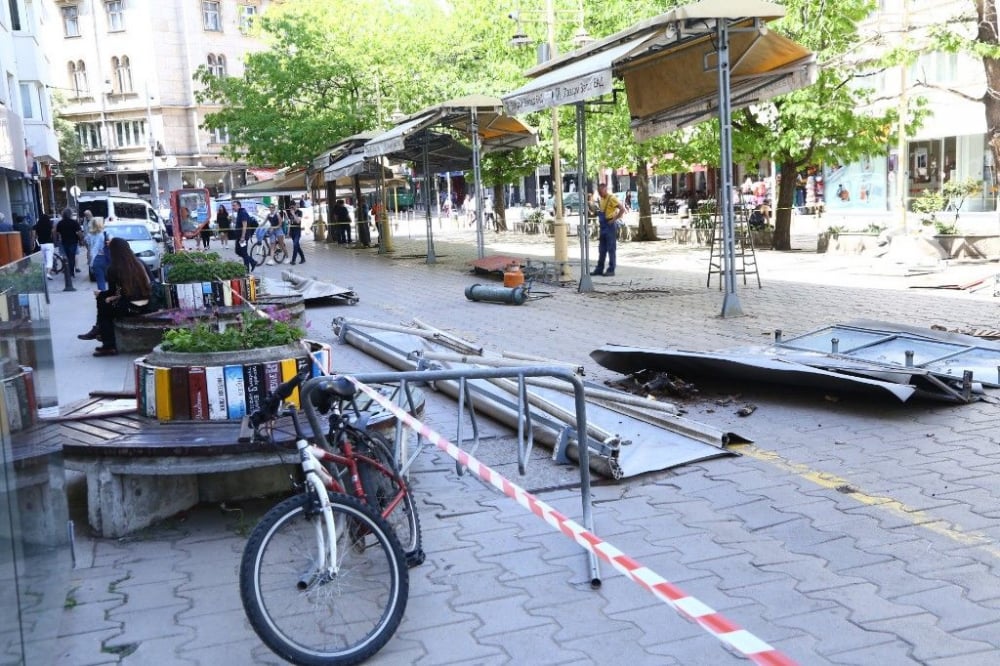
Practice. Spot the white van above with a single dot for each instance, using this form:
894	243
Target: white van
124	207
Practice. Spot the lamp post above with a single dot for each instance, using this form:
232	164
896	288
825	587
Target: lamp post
152	153
546	53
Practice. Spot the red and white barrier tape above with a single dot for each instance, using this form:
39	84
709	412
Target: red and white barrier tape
714	623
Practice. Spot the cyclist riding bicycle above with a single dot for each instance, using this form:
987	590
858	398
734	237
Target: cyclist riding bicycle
274	229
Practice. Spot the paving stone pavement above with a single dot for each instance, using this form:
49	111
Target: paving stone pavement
850	531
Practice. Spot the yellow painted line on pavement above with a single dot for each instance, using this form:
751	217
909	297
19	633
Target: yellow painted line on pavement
915	517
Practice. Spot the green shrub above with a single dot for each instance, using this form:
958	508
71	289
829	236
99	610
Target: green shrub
200	267
252	332
704	215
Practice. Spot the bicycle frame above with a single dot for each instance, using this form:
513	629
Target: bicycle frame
350	460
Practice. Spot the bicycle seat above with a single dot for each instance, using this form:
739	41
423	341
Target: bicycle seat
342	387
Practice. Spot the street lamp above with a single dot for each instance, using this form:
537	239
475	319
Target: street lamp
152	153
519	39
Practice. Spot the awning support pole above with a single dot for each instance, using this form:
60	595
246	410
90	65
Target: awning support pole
730	302
586	284
431	259
478	180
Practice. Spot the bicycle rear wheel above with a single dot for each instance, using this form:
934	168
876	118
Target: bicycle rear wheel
58	263
278	254
258	252
385	487
306	615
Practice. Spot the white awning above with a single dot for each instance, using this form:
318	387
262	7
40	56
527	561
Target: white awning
581	80
394	140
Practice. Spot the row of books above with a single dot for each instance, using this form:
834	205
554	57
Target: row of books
209	294
20	403
20	307
216	393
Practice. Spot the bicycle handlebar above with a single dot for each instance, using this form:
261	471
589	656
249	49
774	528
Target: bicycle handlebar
269	407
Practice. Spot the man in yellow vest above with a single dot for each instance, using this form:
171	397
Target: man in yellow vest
610	210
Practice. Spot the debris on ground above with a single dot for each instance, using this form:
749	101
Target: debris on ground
656	384
746	410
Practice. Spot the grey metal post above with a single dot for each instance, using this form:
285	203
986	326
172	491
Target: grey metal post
477	179
730	302
427	196
586	284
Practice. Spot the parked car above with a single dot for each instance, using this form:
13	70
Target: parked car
571	202
140	240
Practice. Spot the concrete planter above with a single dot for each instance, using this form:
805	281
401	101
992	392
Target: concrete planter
216	386
139	335
682	235
965	246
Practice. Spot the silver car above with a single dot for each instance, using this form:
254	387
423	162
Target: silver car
140	240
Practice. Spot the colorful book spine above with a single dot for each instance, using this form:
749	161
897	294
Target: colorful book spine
227	294
236	404
254	386
180	398
215	378
288	370
251	289
206	294
217	296
237	287
164	408
198	394
11	407
272	377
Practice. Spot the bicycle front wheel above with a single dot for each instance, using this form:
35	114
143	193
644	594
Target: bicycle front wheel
388	493
258	252
310	616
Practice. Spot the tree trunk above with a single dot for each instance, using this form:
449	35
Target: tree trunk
987	34
783	206
499	208
647	232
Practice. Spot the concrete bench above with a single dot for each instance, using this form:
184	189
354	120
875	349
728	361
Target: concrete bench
153	469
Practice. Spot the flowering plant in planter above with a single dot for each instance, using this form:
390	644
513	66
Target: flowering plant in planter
249	332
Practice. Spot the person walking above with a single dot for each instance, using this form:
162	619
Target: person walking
206	236
22	225
43	232
223	222
68	235
342	218
96	240
295	233
246	227
609	211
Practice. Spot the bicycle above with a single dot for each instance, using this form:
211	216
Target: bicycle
323	579
264	247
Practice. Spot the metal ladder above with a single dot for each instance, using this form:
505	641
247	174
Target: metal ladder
745	257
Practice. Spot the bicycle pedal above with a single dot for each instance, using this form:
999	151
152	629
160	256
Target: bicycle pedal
415	558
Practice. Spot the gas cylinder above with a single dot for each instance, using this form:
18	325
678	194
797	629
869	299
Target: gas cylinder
492	294
512	276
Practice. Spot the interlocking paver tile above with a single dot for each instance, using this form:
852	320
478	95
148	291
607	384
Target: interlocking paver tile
929	641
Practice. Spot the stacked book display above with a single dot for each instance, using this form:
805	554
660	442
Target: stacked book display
217	293
22	307
218	392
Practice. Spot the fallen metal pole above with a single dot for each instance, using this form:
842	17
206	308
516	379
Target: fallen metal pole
610	397
446	340
460	342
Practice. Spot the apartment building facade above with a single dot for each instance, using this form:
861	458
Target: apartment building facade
951	143
28	142
127	69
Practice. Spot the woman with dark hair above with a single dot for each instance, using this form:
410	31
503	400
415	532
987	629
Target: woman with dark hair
128	293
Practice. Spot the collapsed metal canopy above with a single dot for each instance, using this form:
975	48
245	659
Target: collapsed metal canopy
862	357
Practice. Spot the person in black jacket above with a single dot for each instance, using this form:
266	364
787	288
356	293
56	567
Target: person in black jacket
246	227
129	292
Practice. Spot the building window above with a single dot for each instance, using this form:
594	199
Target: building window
212	15
217	65
89	135
123	74
78	78
27	107
71	21
247	15
130	133
220	135
15	15
116	15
